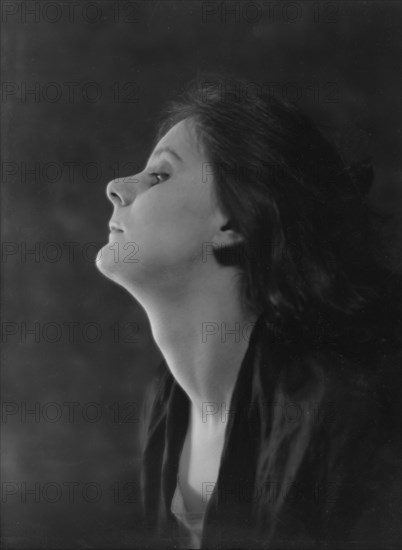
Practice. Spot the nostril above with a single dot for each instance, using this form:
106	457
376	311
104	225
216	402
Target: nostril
115	197
117	193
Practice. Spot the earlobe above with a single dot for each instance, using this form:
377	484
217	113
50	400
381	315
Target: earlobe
228	225
231	236
235	237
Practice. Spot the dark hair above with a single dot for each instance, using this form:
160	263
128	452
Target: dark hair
309	261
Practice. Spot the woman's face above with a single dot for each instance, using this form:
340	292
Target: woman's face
164	217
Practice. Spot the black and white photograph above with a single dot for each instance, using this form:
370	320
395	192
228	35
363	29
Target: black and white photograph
201	275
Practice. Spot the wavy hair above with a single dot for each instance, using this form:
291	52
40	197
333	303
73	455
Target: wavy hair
309	259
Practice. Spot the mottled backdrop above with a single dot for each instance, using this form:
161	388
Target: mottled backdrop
81	87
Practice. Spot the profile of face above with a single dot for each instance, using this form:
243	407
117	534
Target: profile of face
165	218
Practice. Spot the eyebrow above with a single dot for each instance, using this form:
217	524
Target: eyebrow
168	150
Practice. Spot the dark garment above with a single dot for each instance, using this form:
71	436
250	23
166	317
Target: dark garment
311	457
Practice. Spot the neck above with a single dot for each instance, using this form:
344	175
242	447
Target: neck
203	333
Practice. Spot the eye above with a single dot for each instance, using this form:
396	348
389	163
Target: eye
160	176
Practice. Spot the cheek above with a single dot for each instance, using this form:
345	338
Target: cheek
171	217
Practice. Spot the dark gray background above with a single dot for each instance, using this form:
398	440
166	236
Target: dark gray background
124	60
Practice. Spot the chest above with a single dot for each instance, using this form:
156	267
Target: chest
199	467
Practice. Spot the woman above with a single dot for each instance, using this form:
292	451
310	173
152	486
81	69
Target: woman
272	420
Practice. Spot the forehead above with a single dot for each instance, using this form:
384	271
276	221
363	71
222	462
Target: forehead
183	139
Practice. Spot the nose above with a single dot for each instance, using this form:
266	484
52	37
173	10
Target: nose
122	191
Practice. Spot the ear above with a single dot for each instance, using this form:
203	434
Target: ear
228	236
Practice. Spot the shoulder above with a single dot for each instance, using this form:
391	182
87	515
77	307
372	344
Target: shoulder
363	436
356	399
360	425
348	393
350	409
360	388
337	435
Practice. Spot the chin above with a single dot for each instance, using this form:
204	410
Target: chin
122	273
106	262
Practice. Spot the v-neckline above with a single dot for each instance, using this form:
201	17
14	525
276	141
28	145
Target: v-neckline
177	422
